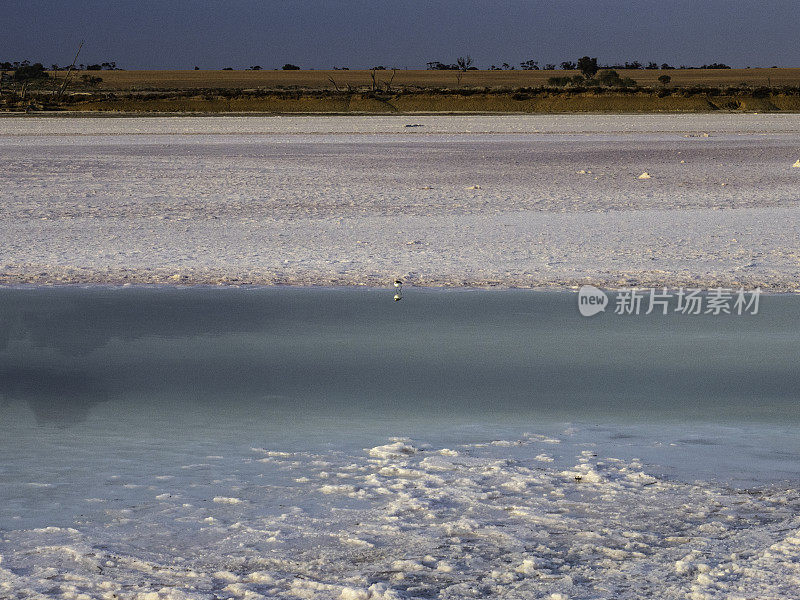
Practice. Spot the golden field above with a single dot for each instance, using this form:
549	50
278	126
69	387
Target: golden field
277	92
321	80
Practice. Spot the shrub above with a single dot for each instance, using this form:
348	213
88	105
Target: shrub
90	80
30	72
609	78
762	92
664	79
559	81
290	67
563	81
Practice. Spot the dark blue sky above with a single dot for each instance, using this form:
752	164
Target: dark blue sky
404	33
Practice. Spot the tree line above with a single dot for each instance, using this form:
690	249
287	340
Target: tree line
568	65
27	70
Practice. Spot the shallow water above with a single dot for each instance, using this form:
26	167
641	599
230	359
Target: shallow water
263	442
316	369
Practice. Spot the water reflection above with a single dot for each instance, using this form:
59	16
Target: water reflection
64	351
54	396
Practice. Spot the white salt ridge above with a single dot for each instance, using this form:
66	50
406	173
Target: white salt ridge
393	450
227	500
417	521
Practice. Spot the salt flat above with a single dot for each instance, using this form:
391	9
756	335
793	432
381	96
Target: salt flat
454	200
409	520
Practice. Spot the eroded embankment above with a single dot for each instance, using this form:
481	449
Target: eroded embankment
535	101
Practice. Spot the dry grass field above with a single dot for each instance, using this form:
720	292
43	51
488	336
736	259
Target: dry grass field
210	92
321	80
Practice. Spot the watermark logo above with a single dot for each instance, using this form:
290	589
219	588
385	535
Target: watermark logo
685	301
591	300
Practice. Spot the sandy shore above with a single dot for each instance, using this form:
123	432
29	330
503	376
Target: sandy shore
533	201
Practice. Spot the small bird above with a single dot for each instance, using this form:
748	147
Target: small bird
398	283
397	297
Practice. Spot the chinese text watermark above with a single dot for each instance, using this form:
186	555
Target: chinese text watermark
685	301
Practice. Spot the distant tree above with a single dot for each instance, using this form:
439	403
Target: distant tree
255	68
569	65
227	68
664	79
529	65
196	68
290	67
438	66
507	67
651	66
587	66
463	63
715	66
54	67
666	67
94	68
549	67
633	65
378	68
109	66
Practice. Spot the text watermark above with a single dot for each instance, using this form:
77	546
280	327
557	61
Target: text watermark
685	301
